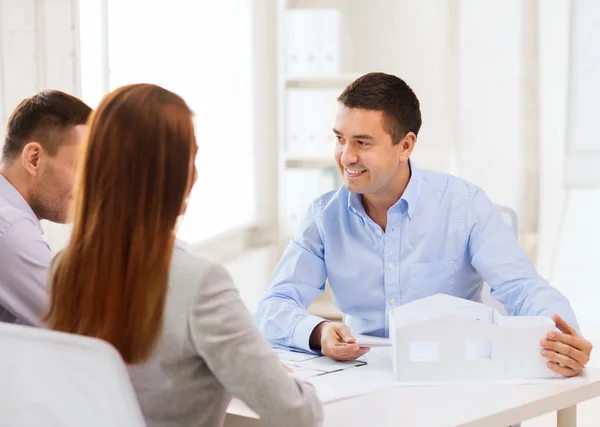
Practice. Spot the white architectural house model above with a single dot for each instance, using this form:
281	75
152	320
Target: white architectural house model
444	338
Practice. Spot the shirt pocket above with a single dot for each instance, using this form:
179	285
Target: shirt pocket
430	278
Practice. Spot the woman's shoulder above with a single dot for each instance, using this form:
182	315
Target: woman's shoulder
193	268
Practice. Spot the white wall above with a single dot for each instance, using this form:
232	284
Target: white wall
497	96
569	232
553	34
38	50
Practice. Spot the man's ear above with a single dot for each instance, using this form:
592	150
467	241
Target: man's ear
407	144
30	157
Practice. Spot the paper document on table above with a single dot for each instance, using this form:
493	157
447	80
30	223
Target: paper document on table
307	365
293	356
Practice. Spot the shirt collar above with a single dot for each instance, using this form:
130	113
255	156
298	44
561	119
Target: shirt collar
413	189
355	205
409	197
16	200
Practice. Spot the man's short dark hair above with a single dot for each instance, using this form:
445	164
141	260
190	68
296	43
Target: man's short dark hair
389	94
43	118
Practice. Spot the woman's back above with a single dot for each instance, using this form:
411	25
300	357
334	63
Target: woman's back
175	319
209	345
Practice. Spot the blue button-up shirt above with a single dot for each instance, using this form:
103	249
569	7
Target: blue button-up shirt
443	236
24	260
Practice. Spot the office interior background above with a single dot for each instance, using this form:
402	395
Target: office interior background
509	94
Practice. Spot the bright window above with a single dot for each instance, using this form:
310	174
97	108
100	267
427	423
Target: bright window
201	50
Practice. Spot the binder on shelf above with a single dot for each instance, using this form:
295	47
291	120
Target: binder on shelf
313	42
310	118
329	37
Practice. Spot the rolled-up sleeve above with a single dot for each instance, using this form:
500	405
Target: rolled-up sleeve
298	279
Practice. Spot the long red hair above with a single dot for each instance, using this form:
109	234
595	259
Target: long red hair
111	280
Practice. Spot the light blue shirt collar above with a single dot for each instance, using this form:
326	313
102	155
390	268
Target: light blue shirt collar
408	199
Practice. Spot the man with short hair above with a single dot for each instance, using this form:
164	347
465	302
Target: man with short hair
395	233
37	174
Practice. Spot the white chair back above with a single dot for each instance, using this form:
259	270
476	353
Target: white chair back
55	379
510	217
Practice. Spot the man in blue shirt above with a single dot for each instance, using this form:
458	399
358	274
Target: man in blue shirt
37	174
394	234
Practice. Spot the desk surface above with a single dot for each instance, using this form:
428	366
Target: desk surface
477	405
472	405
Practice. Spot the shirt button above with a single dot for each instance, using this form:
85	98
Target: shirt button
379	232
391	266
392	301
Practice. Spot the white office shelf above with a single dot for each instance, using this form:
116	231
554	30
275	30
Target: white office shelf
310	162
315	4
321	82
310	76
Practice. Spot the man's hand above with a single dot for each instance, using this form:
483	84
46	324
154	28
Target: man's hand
336	342
567	352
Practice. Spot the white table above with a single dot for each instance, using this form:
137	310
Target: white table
475	405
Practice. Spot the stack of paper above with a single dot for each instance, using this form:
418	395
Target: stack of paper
305	365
